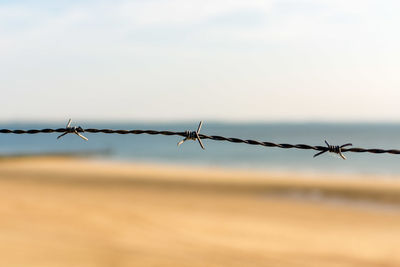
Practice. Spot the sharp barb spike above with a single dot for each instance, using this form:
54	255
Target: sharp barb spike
193	135
75	130
61	135
334	149
199	128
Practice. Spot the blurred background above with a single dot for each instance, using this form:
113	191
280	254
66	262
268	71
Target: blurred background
159	60
281	71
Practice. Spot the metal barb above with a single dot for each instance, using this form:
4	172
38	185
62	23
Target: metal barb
193	135
334	149
75	130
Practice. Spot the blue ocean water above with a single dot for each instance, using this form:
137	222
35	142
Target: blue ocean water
147	148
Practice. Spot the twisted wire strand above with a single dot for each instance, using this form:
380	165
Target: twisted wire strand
210	137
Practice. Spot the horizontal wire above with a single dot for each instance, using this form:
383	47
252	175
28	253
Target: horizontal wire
210	137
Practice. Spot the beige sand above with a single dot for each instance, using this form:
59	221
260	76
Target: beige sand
66	212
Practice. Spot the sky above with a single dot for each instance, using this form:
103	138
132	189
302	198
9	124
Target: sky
172	60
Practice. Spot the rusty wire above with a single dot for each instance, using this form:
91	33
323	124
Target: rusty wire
195	135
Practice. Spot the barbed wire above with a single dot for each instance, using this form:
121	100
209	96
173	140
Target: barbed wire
195	135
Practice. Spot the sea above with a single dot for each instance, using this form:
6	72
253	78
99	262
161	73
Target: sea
221	154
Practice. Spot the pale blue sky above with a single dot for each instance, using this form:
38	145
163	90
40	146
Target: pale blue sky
189	60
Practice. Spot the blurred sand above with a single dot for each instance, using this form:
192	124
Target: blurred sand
69	212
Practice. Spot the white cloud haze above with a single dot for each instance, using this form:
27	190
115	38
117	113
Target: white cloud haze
176	59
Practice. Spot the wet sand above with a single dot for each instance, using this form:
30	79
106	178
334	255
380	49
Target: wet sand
70	212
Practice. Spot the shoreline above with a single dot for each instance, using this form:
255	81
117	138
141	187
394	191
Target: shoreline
105	155
368	188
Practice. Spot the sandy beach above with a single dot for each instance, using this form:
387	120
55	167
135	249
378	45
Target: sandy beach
79	212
